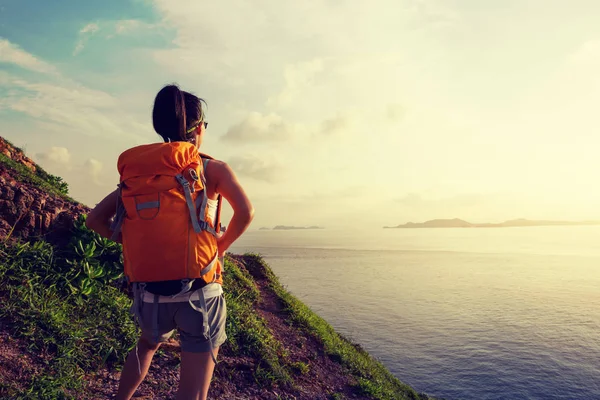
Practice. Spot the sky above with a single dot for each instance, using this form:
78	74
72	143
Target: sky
338	113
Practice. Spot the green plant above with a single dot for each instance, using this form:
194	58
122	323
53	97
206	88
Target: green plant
56	181
47	295
300	368
54	320
248	333
94	260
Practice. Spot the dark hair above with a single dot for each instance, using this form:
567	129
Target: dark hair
174	112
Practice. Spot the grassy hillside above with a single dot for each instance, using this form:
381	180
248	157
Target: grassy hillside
68	312
65	328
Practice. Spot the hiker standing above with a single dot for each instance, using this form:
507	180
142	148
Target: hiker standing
167	215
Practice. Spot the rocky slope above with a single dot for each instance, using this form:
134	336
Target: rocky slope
28	210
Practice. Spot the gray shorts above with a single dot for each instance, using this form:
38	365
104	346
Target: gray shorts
188	322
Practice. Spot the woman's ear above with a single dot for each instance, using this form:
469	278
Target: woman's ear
198	132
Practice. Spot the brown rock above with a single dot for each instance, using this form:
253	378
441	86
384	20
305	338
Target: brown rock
16	155
6	192
30	210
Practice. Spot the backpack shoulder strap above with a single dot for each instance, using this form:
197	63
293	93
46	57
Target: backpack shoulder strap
119	217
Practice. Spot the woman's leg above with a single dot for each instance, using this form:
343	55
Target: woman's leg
195	375
131	377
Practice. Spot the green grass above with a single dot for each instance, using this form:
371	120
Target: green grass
248	333
41	179
54	181
373	379
61	305
66	303
300	367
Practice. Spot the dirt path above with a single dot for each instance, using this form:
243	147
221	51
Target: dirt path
324	377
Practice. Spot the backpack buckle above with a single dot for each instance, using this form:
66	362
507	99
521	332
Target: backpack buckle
193	175
186	185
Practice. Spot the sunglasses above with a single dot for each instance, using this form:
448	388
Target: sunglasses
196	126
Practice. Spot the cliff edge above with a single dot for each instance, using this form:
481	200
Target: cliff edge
65	326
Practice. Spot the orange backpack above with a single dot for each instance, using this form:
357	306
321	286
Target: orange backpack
163	217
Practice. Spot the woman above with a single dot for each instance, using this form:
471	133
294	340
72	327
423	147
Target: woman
178	116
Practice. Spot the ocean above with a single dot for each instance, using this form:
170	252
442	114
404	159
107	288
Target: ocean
484	313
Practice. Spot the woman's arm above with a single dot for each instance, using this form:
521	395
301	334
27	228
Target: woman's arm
99	218
243	212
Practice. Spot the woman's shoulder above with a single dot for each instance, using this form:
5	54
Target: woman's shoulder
217	170
214	164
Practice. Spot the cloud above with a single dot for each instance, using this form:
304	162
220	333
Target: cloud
580	75
109	30
298	38
336	126
433	14
464	200
259	128
588	53
297	77
566	101
255	168
494	206
84	35
12	54
61	105
93	169
128	25
90	28
58	155
68	93
394	112
345	194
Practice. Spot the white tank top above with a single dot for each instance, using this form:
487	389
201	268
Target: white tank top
211	204
212	209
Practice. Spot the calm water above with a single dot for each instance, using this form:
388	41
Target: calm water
510	313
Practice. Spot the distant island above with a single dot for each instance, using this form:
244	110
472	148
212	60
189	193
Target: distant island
459	223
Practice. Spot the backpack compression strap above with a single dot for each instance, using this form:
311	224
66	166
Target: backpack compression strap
190	202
